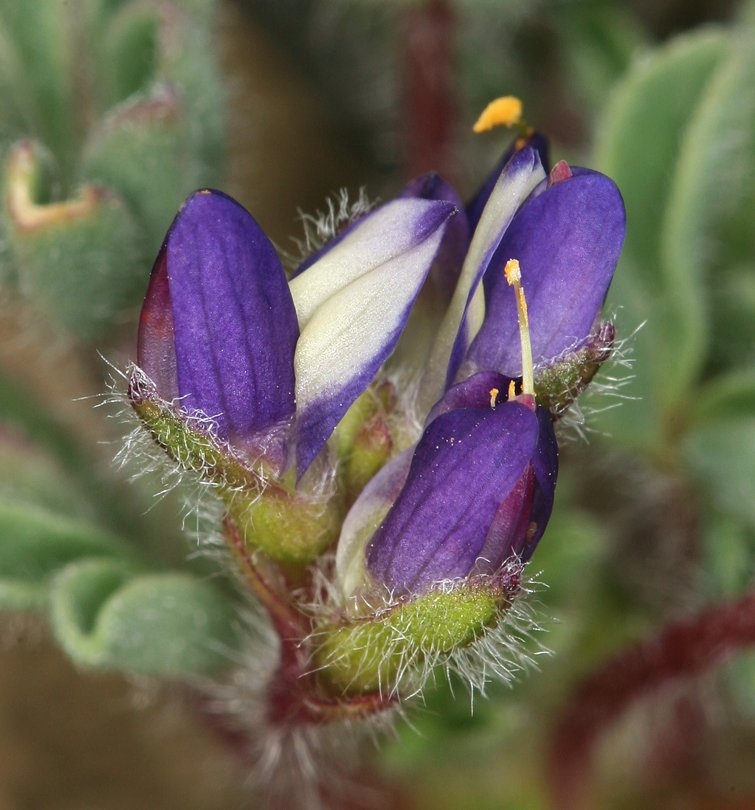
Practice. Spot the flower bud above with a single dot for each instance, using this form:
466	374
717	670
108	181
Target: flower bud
423	540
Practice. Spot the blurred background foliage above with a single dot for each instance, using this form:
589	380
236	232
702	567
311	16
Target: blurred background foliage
114	110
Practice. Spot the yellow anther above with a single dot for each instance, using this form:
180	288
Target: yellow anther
512	390
493	396
513	273
505	111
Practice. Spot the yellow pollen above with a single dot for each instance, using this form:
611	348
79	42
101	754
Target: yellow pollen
513	273
493	395
504	111
512	389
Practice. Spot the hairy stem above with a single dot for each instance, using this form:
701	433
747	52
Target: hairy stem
681	650
295	695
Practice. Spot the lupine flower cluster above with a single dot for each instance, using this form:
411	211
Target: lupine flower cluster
379	424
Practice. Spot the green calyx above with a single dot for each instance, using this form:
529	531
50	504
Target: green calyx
186	440
558	384
286	525
384	651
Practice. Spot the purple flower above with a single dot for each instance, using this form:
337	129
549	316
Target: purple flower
273	364
567	237
566	230
476	492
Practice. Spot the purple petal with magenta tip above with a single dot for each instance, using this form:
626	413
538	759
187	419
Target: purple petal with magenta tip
545	464
156	347
466	464
521	519
567	240
234	321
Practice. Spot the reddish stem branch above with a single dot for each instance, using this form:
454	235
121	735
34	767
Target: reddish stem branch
294	694
429	91
289	623
684	649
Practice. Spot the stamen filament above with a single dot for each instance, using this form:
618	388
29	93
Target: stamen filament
513	274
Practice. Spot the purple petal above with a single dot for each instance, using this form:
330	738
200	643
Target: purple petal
156	349
234	321
521	519
448	263
474	392
567	240
466	464
475	206
545	464
520	176
354	304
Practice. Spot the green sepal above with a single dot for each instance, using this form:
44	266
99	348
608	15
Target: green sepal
105	613
287	525
186	439
560	382
399	641
79	258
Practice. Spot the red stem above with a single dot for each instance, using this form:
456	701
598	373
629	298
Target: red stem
287	620
684	649
294	695
429	91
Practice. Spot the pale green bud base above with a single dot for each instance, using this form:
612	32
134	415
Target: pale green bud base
367	437
288	527
400	643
